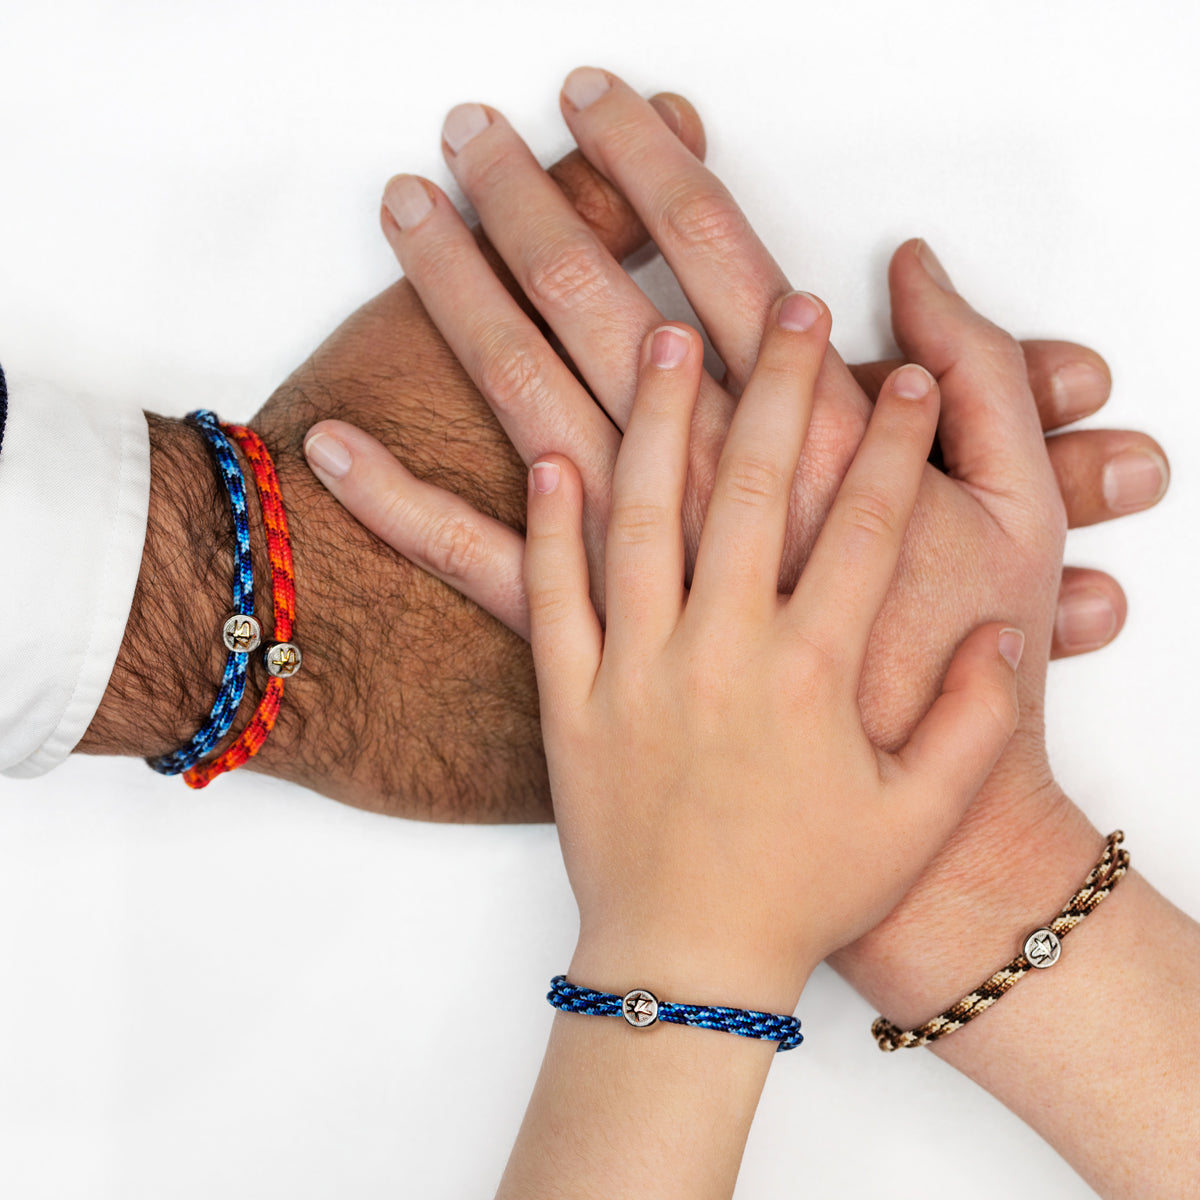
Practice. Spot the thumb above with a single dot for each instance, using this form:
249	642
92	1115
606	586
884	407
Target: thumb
952	751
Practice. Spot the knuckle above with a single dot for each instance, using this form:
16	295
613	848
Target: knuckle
1003	350
549	605
706	219
753	481
814	662
509	373
871	512
1055	519
435	258
998	708
455	548
637	523
565	270
495	161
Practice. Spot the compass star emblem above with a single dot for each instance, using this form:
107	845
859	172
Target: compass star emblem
1042	948
283	659
640	1008
242	633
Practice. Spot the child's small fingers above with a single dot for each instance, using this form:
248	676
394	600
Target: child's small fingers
740	547
644	556
564	630
953	749
848	574
433	528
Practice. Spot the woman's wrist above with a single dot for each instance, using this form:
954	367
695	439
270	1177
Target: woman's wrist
1014	861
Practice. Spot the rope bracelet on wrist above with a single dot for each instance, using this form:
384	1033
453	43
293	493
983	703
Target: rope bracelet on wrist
282	657
242	631
1042	950
642	1008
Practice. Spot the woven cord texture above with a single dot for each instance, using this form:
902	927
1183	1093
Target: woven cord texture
569	997
233	680
1101	880
283	586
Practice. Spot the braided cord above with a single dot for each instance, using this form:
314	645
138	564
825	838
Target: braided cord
233	681
1101	880
769	1027
283	582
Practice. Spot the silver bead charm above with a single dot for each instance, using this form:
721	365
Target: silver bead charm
1042	948
241	633
640	1008
283	659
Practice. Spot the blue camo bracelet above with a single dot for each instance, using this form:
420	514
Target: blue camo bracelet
641	1008
242	632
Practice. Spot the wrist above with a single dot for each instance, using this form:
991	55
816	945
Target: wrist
1015	860
171	658
680	974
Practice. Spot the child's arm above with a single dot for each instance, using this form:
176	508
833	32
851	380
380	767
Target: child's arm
725	820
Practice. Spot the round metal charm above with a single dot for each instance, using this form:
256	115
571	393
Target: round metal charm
1042	948
241	633
640	1008
283	659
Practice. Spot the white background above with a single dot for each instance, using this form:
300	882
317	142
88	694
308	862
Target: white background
254	992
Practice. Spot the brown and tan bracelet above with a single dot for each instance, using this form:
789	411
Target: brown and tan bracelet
1042	949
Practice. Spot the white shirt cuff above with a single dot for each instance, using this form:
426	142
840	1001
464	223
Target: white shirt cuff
74	497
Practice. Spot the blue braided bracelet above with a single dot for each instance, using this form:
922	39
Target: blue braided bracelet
233	682
641	1008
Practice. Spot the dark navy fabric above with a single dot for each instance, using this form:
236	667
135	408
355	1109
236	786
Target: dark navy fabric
3	407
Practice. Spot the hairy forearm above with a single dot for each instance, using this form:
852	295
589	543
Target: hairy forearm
167	672
411	701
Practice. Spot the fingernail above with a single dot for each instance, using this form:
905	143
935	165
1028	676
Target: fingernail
1085	620
799	312
584	86
545	477
912	382
1077	390
328	455
463	123
933	268
407	200
1133	480
668	347
1012	646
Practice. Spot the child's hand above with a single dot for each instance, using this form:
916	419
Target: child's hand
724	819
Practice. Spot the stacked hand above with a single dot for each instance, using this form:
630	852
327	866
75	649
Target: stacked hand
986	537
725	819
415	703
467	745
691	852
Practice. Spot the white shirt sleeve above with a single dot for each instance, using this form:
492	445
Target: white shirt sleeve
74	496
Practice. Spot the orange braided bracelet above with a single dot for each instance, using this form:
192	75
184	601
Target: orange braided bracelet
282	657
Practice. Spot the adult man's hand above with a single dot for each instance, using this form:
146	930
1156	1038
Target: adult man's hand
412	701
